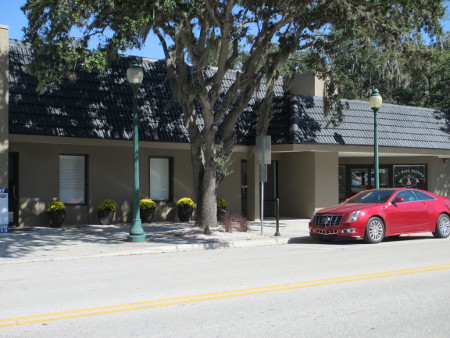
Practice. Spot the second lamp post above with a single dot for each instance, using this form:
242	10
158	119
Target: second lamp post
135	75
375	102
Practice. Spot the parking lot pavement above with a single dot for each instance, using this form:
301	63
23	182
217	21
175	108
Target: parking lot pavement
75	242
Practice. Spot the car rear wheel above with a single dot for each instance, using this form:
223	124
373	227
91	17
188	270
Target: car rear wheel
442	226
374	230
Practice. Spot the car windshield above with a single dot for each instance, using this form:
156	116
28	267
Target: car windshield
372	196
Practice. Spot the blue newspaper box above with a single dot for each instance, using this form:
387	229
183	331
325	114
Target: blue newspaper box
4	212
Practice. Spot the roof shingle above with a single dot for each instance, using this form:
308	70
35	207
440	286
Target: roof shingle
99	106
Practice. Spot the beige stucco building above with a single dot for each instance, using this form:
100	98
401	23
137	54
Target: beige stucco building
73	143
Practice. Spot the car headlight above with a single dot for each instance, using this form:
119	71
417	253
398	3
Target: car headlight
312	217
353	217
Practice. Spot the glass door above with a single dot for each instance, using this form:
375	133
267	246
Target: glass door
384	177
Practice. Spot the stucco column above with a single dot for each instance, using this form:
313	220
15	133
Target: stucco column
4	94
326	170
307	181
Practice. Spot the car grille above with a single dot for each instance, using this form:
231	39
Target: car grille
327	232
327	220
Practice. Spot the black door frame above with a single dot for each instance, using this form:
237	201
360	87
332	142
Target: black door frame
13	187
244	187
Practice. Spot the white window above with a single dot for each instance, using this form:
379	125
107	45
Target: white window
72	179
160	179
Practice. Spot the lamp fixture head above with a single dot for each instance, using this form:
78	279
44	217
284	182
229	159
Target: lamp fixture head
375	99
135	73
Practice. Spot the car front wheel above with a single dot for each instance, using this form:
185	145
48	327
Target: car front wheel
442	226
374	230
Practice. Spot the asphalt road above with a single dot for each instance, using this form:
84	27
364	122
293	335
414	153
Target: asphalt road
397	288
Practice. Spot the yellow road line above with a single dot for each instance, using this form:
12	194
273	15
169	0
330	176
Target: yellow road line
95	311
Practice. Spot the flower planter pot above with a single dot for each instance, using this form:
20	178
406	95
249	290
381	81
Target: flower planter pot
56	218
106	217
147	215
185	213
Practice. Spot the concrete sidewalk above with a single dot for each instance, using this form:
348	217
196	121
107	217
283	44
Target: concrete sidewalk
75	242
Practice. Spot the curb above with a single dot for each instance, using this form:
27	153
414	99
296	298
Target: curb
161	249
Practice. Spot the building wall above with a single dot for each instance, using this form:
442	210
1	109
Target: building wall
109	176
326	180
4	96
439	176
307	181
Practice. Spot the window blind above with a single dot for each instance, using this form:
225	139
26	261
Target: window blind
72	180
159	179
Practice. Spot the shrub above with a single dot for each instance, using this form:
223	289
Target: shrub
227	223
185	202
222	202
55	206
242	221
147	203
107	205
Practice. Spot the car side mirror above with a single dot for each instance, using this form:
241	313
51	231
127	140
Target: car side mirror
398	200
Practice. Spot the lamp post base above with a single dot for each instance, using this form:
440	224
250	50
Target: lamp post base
136	238
136	232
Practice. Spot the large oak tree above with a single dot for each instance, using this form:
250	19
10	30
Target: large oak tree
189	29
419	77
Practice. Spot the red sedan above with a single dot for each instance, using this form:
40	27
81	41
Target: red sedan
375	214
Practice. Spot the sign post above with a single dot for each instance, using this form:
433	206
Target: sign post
4	214
263	158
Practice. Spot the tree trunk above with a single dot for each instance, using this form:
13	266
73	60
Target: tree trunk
205	184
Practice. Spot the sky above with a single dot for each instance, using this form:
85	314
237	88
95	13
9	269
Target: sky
12	16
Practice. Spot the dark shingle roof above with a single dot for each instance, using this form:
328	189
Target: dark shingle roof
94	106
300	119
99	106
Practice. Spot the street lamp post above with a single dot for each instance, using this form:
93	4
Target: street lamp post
375	101
135	76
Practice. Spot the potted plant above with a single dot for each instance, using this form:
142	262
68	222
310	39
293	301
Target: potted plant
221	208
56	212
147	209
185	207
105	211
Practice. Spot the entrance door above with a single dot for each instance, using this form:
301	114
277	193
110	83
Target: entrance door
13	188
383	174
271	190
